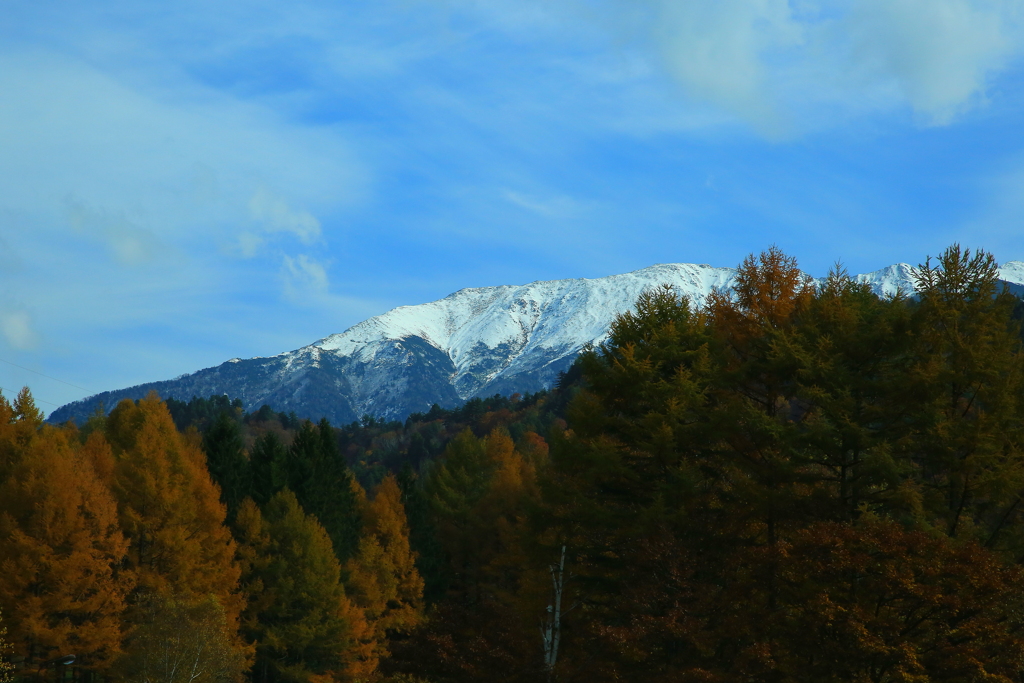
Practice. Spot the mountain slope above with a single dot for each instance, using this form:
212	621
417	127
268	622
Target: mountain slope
475	342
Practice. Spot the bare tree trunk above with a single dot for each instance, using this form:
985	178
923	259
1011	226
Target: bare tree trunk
551	628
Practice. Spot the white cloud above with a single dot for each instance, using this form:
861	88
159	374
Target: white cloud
18	330
716	50
178	160
553	207
766	59
759	58
274	215
304	277
784	65
129	243
939	53
248	244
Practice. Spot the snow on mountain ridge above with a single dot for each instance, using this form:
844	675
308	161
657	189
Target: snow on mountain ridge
1012	271
886	281
891	279
528	320
553	317
474	342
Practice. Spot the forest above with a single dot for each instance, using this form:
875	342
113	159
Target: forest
789	481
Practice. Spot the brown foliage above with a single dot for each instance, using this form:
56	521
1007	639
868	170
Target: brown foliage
170	509
60	546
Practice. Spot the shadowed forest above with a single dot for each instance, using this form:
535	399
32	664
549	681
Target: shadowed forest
786	482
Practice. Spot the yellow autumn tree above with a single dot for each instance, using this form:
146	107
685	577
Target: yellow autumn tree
170	509
169	506
382	577
61	549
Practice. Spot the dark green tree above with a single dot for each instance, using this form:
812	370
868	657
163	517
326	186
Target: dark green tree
968	418
324	485
268	461
850	354
422	534
225	457
298	615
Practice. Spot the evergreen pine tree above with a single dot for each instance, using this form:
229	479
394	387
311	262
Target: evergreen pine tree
269	465
422	534
969	409
324	485
225	457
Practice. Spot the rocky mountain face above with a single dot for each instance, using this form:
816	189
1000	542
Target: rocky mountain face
475	342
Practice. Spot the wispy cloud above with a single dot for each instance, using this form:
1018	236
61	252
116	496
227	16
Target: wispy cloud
548	207
192	161
784	65
274	215
938	54
18	330
304	278
720	51
129	243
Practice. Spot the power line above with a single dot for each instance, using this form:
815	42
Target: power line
12	392
42	375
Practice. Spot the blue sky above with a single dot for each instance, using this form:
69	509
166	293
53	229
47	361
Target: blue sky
186	182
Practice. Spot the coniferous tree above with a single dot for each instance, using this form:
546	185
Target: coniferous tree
324	485
225	457
418	450
502	513
876	601
60	546
422	534
755	400
382	576
298	614
479	494
454	487
706	441
5	666
851	353
269	463
969	413
170	510
763	488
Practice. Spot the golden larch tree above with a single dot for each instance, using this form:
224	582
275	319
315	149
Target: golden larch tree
61	549
170	509
383	579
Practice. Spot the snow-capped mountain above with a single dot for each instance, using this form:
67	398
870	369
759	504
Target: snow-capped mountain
475	342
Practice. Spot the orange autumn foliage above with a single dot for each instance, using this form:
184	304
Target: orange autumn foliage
169	507
382	577
61	579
